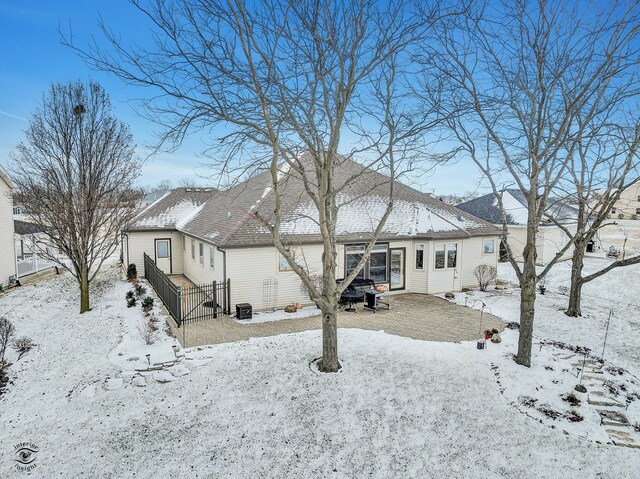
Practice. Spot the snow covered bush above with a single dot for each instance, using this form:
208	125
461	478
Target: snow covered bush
131	302
22	345
485	274
6	331
140	290
132	272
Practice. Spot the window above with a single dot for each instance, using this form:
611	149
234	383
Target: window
452	255
353	254
377	266
162	249
193	249
420	256
378	263
283	264
489	246
446	255
201	252
613	211
211	256
638	198
638	211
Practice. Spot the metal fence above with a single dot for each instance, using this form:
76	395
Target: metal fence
189	303
208	301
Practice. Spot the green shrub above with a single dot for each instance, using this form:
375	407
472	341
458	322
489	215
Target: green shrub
131	302
132	272
129	295
140	290
147	303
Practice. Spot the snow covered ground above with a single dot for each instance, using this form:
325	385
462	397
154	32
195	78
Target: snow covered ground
280	314
398	408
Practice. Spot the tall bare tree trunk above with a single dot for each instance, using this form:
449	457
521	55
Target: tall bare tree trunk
575	292
84	290
330	362
527	299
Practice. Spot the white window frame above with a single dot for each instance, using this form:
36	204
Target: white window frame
283	264
212	257
493	249
415	262
446	255
193	249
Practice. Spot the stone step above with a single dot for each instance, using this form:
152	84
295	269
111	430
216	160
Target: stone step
604	402
621	437
613	418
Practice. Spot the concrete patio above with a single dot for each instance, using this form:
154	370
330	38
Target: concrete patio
416	316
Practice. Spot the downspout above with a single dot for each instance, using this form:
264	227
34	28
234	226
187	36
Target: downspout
224	263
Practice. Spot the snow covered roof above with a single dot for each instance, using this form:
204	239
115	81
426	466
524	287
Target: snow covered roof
515	206
170	209
7	179
231	218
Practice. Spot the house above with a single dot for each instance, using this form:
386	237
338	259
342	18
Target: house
551	238
628	205
29	239
7	251
426	246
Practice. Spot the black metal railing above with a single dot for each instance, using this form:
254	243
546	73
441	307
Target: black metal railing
189	303
167	291
205	301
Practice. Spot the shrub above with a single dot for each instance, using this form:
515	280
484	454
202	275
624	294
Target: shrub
131	302
130	294
147	331
22	345
620	216
132	272
572	399
147	303
140	290
634	217
6	331
485	274
574	416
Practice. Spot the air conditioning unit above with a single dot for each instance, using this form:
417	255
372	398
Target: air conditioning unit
244	311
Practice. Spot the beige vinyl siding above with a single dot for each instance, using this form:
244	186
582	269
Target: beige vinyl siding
417	278
446	279
201	273
144	242
474	256
7	241
628	204
516	239
248	268
551	240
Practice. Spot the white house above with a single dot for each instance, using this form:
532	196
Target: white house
425	247
551	238
7	252
628	205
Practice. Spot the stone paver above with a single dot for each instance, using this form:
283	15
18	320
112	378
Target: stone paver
416	316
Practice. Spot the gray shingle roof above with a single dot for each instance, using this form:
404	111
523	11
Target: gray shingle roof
170	209
26	228
515	204
231	218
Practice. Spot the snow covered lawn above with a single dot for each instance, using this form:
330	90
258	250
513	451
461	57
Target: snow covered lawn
398	408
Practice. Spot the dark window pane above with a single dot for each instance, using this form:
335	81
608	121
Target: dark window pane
439	259
452	255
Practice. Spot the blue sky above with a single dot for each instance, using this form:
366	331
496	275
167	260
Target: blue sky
32	58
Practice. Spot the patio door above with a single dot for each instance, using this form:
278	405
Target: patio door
163	255
397	268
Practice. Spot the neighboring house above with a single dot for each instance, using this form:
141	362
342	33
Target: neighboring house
551	238
152	197
628	205
425	247
7	251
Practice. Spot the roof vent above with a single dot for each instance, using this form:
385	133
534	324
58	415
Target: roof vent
188	189
460	218
228	215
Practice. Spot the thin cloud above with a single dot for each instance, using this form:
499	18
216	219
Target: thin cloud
12	116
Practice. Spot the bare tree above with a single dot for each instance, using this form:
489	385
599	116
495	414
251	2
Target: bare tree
273	80
75	175
604	165
519	75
